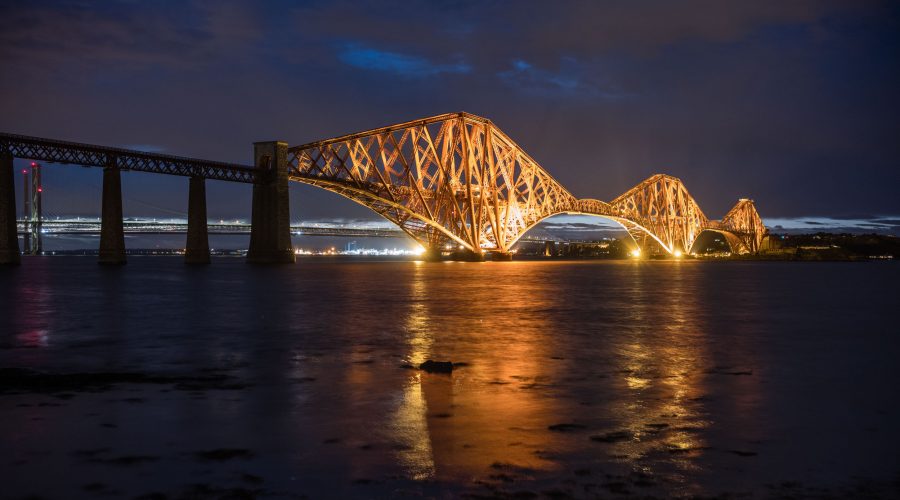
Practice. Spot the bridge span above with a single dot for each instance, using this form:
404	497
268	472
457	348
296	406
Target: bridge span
449	180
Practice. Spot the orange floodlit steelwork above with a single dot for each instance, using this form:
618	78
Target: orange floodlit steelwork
453	182
457	178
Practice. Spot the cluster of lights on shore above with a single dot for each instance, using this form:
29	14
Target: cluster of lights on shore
392	252
636	253
417	251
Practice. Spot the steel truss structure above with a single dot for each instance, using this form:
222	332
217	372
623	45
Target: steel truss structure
458	180
47	150
744	223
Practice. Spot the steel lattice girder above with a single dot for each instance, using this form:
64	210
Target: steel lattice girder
744	223
451	178
457	179
35	148
663	206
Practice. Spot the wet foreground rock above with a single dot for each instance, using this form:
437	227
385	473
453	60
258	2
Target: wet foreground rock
431	366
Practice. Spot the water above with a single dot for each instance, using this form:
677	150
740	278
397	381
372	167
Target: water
670	378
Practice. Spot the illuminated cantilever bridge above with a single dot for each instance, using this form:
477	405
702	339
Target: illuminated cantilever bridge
457	178
450	180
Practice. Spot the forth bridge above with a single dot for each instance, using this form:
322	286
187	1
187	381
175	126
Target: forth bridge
449	181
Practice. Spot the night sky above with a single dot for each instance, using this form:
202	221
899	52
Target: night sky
794	104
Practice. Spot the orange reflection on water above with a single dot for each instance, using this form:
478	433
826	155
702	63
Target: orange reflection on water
530	400
409	424
663	370
456	425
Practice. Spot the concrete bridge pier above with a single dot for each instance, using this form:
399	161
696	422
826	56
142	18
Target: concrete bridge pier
466	255
270	230
112	234
549	248
9	238
196	251
501	256
432	255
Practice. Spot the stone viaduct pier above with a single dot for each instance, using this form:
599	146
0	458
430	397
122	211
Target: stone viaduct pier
270	237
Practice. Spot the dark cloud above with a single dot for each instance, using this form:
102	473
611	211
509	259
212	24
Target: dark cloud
793	104
131	34
837	225
854	217
502	31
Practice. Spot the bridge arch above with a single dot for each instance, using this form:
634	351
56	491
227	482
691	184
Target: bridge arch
425	231
735	245
431	234
627	225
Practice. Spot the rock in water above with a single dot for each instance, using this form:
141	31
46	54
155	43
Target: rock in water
437	366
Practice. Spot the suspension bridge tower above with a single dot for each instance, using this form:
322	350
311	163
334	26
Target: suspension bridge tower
32	213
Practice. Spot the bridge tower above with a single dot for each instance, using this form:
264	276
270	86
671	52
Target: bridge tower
270	230
26	212
34	233
9	238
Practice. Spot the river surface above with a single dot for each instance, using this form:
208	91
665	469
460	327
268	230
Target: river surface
614	379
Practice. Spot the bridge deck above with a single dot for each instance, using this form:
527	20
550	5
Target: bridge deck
50	150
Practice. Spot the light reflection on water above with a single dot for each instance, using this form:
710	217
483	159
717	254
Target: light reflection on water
681	377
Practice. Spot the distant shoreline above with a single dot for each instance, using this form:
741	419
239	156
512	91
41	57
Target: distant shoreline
767	257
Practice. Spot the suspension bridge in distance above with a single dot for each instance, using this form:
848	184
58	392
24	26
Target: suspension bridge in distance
79	226
452	180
